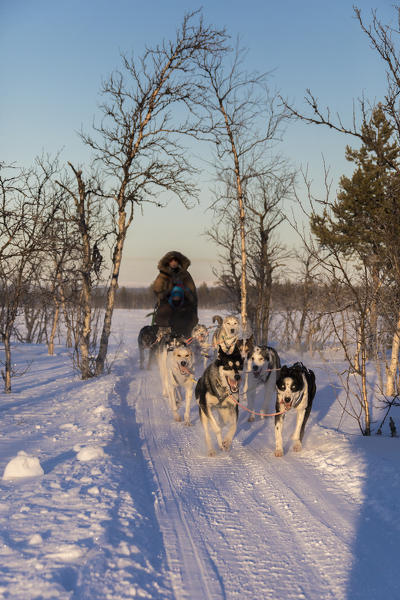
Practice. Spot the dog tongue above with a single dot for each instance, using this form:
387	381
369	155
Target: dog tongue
184	370
232	384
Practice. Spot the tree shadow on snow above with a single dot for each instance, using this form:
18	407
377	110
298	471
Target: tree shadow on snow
133	530
375	552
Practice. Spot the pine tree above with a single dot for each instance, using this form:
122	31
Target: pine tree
357	222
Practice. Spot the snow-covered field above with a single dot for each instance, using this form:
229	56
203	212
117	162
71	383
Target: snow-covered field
122	502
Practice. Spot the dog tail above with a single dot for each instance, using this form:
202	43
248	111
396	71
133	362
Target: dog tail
218	319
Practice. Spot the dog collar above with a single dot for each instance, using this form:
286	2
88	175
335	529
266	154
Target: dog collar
296	404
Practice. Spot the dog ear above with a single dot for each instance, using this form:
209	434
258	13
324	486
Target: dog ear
284	372
220	355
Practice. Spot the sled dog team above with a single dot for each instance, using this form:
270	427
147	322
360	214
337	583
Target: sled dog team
217	391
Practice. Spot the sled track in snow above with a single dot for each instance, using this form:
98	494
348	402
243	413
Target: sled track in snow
211	510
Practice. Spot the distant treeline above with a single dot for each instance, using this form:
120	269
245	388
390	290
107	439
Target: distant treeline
285	295
209	297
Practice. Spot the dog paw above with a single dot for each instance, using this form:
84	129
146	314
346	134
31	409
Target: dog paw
278	453
226	444
212	453
297	446
188	423
177	418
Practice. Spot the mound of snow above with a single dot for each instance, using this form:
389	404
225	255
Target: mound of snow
23	465
90	453
35	540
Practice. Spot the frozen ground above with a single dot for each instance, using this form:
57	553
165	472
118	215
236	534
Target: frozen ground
122	502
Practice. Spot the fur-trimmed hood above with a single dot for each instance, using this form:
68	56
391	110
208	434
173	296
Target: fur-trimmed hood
181	258
168	277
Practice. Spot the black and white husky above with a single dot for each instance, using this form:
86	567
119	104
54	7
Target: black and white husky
296	389
215	392
263	365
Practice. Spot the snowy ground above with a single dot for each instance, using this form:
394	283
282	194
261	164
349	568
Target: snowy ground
126	504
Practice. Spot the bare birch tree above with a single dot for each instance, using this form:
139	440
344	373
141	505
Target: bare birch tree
89	226
138	143
242	116
26	211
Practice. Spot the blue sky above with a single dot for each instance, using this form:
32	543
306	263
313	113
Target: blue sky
55	53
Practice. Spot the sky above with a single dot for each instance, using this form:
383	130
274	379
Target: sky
54	56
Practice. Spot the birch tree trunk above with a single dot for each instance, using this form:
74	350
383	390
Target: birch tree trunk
242	220
53	331
391	370
105	334
7	363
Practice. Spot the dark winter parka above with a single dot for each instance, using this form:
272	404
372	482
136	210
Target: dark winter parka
181	317
168	278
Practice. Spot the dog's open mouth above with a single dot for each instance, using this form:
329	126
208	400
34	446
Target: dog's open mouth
184	370
233	385
287	403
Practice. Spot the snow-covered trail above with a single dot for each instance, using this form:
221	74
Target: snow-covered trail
245	524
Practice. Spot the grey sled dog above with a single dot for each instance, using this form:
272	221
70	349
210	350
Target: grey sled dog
214	392
295	388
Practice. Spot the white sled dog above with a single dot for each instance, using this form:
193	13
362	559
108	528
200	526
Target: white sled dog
200	344
227	333
215	392
263	365
179	375
295	389
166	344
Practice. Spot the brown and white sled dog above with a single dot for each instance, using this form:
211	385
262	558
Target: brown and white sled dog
200	344
227	333
214	392
296	389
179	376
263	365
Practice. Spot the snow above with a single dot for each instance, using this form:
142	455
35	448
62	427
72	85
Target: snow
105	496
90	452
23	465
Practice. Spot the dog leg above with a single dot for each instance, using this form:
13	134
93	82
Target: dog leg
188	394
172	397
297	446
141	357
250	394
269	391
150	358
211	400
278	434
229	415
164	373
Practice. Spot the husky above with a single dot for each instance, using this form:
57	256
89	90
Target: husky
215	392
179	374
147	342
227	333
165	344
201	344
263	365
296	389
